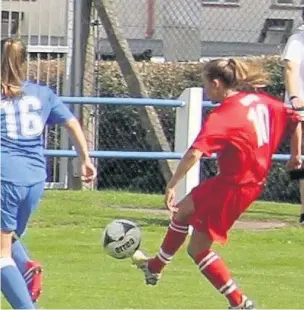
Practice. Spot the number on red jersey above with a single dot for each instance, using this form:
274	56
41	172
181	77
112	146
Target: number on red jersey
259	116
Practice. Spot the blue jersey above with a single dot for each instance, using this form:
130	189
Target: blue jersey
22	123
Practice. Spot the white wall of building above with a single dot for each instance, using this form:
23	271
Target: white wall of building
241	23
40	17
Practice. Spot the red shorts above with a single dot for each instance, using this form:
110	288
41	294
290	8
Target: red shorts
219	204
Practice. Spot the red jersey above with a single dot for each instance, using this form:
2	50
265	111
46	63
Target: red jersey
245	131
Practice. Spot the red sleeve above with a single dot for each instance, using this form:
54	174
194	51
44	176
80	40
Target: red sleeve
212	137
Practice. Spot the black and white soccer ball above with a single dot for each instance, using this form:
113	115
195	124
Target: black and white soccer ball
121	238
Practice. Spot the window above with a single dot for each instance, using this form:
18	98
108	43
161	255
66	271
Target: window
288	3
284	2
10	17
221	1
276	31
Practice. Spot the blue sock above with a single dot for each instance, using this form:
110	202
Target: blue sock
13	285
20	255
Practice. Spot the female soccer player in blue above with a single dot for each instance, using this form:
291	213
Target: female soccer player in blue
25	110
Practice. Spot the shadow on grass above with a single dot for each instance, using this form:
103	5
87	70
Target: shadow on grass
142	221
152	222
273	214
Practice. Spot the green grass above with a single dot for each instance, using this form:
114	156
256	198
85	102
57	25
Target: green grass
65	236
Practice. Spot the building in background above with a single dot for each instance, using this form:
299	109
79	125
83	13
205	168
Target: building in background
38	21
207	28
248	26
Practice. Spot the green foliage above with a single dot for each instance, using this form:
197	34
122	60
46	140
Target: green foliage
275	68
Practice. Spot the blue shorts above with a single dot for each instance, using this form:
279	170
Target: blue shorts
17	205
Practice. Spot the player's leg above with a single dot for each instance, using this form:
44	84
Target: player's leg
13	285
19	254
215	270
31	270
211	223
301	219
301	185
173	240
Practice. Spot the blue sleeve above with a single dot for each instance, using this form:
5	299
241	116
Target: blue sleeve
59	113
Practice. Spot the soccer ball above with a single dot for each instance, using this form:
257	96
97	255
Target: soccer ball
121	238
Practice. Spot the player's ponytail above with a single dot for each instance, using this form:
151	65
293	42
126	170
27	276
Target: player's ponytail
13	55
249	74
237	74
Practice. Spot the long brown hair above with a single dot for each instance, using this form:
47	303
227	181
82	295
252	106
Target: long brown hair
237	74
13	55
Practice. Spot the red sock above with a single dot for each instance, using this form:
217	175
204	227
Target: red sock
215	270
175	237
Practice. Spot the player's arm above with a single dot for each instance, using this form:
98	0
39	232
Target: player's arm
290	76
203	145
61	115
212	138
187	162
295	161
296	142
292	57
294	127
76	134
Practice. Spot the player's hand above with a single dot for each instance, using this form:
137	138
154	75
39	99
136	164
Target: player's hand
88	171
294	163
170	196
297	103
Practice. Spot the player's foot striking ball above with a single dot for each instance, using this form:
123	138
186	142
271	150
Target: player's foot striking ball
245	131
140	260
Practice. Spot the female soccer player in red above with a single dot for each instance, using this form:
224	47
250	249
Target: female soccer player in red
244	131
25	110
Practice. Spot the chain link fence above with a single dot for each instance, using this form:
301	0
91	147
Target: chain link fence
187	30
157	28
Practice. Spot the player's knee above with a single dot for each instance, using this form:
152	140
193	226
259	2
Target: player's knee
183	216
199	242
185	210
6	262
6	244
20	232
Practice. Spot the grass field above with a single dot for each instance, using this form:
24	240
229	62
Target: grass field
65	236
